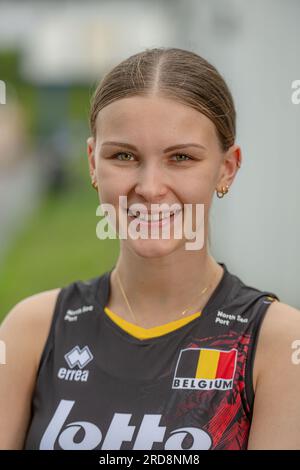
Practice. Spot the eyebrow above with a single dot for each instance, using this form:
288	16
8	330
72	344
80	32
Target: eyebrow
173	147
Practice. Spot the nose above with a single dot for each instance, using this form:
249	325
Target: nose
151	182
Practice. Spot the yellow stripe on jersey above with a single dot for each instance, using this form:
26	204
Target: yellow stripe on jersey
145	333
207	364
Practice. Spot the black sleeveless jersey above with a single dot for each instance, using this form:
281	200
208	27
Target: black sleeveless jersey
104	383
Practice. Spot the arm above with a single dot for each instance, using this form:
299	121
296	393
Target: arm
24	332
276	413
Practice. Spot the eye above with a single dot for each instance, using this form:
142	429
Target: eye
187	157
119	154
122	153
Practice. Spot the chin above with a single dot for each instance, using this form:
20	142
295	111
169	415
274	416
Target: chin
154	248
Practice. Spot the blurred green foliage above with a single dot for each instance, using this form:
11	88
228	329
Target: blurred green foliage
58	245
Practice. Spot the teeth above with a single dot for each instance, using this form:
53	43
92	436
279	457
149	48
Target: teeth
151	217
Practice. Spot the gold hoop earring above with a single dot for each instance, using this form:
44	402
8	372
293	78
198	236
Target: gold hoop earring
95	186
224	190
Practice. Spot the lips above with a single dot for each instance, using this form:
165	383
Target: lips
152	216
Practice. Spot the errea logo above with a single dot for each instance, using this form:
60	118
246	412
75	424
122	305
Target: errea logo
76	358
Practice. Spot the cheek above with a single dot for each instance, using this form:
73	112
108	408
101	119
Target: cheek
199	190
112	184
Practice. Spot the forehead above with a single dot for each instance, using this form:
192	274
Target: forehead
141	117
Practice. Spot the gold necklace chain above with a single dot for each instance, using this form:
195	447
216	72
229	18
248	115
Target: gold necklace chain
130	309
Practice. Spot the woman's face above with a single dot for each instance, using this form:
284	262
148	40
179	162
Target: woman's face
146	172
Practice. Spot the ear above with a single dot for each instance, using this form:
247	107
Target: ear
231	163
91	155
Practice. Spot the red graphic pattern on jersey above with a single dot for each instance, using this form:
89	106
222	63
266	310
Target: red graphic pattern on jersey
224	415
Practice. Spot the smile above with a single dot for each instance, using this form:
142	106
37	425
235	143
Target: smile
152	217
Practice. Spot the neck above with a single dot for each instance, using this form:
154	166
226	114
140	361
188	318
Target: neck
165	284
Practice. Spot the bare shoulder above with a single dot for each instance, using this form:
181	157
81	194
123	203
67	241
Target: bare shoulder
31	316
24	333
279	336
276	411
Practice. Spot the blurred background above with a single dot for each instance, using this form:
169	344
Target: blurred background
52	55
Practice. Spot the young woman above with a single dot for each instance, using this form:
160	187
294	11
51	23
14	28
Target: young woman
169	349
